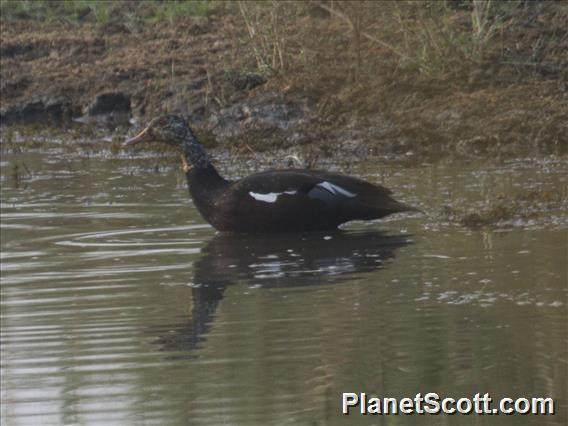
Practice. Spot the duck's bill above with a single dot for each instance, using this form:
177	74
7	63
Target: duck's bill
144	135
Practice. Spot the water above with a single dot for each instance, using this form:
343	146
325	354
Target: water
120	306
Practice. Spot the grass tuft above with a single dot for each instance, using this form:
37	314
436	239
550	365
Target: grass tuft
103	11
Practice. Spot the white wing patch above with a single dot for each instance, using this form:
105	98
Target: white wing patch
270	197
336	190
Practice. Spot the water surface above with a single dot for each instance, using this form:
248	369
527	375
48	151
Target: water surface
119	305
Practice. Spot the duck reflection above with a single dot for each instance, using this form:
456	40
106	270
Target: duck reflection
277	261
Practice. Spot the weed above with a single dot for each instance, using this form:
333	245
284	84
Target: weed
172	10
266	25
103	11
433	38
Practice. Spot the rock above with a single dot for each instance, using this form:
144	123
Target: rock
110	109
24	51
50	112
9	50
109	103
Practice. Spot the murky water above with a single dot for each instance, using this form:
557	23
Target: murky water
120	306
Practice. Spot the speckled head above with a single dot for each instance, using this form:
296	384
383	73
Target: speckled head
173	130
170	129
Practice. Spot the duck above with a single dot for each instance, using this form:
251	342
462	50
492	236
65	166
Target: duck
272	201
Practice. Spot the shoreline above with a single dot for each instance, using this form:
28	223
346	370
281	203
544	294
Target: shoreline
55	73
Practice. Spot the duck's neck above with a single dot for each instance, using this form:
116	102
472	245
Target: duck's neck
204	183
194	152
205	187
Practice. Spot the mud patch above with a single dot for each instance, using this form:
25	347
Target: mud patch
505	211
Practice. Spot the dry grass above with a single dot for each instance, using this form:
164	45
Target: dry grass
434	39
476	76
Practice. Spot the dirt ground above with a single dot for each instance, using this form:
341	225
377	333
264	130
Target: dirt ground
62	72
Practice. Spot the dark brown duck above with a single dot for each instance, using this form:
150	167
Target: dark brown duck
274	200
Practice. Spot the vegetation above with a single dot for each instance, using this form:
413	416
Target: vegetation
436	38
102	11
470	77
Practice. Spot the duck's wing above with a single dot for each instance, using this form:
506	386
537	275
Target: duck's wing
329	188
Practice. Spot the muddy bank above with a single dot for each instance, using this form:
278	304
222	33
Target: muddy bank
118	75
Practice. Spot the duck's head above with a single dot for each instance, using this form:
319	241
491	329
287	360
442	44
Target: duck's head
173	130
170	129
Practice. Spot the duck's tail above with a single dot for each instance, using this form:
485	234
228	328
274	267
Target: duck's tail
385	206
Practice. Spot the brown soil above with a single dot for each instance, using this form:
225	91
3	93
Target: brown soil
57	61
199	67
